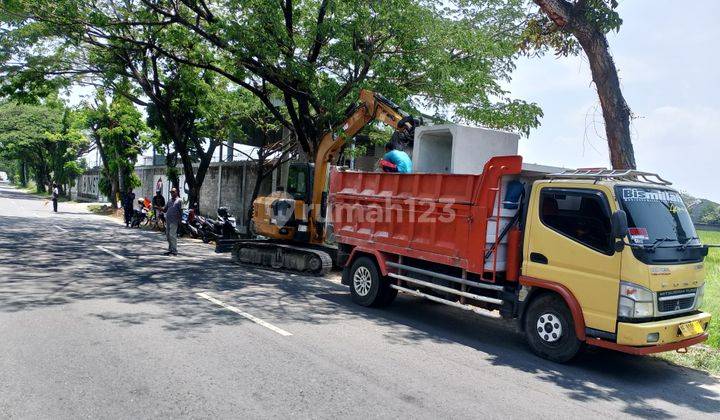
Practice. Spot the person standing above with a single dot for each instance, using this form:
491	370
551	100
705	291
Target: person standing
173	215
55	196
128	206
158	204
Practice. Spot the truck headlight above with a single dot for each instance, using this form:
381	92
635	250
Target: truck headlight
635	301
700	295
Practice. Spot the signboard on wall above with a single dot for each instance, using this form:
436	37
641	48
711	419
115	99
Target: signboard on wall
87	186
162	183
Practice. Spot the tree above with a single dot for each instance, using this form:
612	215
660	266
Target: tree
41	137
65	149
568	26
10	167
90	46
712	217
243	119
315	56
305	61
117	131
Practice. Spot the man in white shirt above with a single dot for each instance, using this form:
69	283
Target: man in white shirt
55	195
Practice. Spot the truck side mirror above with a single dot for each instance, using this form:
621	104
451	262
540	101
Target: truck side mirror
619	224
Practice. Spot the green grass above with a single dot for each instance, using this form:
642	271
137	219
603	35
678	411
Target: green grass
706	356
697	357
712	285
101	209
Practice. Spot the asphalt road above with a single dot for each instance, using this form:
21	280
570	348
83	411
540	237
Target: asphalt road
95	322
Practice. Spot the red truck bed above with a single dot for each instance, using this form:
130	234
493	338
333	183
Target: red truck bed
441	218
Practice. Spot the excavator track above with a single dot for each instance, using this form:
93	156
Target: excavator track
282	256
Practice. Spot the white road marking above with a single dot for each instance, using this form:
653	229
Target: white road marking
60	229
103	249
245	314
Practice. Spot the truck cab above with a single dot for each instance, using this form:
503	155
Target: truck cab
626	253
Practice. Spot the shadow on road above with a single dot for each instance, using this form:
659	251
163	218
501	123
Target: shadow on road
41	268
597	374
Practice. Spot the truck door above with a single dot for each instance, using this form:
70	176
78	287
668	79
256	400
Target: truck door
570	242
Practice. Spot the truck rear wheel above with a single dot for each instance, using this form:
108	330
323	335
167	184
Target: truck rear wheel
550	330
367	286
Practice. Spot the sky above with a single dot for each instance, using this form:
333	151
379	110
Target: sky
669	64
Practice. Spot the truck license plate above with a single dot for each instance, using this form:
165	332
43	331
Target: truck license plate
691	328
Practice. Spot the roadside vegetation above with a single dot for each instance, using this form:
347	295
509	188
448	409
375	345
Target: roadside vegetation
42	143
101	209
712	287
706	357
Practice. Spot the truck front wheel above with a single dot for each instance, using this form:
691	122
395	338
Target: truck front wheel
550	330
367	286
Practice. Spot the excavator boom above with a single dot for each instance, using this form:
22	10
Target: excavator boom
371	107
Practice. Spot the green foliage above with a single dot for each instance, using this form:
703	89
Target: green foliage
133	181
702	210
66	146
711	303
10	167
74	169
43	137
117	130
173	175
712	217
312	56
448	57
105	185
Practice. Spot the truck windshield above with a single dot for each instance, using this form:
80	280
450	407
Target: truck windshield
657	216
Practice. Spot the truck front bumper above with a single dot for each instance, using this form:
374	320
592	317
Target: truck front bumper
656	336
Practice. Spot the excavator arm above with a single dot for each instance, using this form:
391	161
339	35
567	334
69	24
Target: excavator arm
371	107
282	249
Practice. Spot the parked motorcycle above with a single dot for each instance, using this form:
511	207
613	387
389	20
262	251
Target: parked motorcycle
189	224
221	228
139	216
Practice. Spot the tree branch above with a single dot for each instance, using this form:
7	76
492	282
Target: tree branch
559	11
318	42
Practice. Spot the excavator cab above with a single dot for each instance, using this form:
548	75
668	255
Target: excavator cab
283	214
300	181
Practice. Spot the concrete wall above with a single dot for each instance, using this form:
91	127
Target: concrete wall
227	184
87	189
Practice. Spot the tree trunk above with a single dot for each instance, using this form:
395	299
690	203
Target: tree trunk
194	178
114	192
616	112
40	178
120	174
23	173
256	191
106	165
194	198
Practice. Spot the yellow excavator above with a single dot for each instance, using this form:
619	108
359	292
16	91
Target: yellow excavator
293	220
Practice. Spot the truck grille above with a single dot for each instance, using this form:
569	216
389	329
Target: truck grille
676	300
